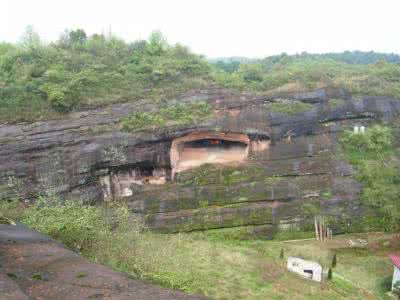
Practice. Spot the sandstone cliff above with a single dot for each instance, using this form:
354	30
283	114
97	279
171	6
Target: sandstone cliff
247	166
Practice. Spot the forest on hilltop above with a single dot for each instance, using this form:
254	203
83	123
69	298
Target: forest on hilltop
42	81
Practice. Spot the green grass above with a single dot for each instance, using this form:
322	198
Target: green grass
179	114
293	234
80	275
12	275
334	103
218	266
37	276
10	210
290	108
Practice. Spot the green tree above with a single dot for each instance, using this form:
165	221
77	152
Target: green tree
377	168
157	44
30	39
251	72
334	261
77	37
330	274
282	254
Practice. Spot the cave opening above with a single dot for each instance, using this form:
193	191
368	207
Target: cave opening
186	152
144	170
120	181
198	148
198	152
214	144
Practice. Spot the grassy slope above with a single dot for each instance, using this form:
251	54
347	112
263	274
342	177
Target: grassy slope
224	269
207	264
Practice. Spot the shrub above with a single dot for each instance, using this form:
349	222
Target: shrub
290	108
334	103
140	120
179	114
377	168
90	70
78	227
376	141
334	261
330	274
251	72
10	211
59	101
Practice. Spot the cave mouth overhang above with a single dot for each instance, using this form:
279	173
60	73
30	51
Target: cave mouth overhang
211	147
186	152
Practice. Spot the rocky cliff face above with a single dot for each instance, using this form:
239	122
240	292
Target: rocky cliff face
248	166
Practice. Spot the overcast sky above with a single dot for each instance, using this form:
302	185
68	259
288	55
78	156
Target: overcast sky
216	28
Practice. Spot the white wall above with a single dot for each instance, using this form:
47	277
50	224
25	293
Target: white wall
396	276
298	265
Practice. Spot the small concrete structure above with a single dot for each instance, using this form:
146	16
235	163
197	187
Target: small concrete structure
396	273
359	129
307	269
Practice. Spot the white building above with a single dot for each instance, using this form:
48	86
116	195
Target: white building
307	269
396	273
359	129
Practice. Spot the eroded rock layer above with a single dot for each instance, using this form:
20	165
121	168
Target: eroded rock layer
246	166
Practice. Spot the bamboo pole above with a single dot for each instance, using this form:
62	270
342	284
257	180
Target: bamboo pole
321	229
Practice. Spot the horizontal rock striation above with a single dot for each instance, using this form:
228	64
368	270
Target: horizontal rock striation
259	169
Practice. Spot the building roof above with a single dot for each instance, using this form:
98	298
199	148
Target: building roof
304	264
395	259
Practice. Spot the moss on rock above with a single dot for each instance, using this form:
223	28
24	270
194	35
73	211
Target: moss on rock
290	107
179	114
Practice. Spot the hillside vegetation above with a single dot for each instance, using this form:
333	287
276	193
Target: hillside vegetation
42	81
375	154
37	80
207	263
285	73
231	64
